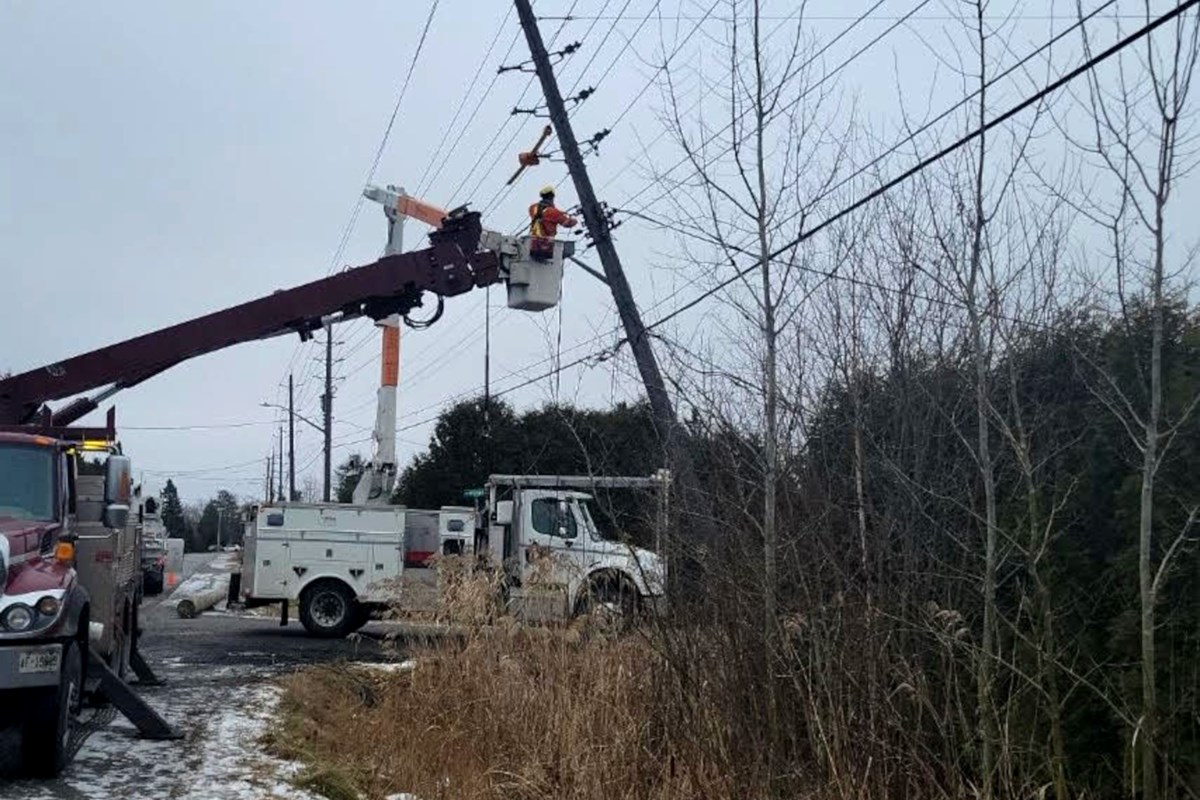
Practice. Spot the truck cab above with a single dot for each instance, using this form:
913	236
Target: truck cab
52	612
547	538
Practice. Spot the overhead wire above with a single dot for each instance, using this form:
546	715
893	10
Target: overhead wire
925	163
370	174
503	192
471	84
795	101
455	195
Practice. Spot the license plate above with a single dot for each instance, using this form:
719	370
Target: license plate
39	661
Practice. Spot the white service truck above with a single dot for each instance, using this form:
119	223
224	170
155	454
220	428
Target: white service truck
342	563
337	562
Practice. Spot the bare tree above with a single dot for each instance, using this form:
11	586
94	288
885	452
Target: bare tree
1140	136
752	188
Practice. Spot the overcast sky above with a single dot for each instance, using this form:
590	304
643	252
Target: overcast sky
159	161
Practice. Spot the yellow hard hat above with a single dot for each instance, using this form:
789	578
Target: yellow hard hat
547	189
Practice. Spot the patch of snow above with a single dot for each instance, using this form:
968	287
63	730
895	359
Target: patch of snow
220	758
388	666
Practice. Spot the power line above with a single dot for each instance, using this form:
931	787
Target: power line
496	136
344	238
471	84
924	164
792	104
200	426
912	136
600	47
1037	97
824	17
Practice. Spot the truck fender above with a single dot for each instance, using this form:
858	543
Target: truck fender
325	576
76	615
605	575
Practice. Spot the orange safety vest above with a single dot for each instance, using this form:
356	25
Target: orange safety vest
545	219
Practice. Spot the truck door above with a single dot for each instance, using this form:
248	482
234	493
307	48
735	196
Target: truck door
554	547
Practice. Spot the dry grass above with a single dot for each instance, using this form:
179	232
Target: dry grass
504	711
521	713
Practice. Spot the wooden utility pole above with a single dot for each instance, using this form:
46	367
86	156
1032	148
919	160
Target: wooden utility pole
279	495
291	440
631	319
327	408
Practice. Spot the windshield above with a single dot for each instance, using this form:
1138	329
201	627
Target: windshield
27	482
586	510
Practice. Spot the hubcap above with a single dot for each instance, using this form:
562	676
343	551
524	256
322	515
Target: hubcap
328	609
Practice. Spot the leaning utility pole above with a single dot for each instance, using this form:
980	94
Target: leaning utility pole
631	319
291	440
327	408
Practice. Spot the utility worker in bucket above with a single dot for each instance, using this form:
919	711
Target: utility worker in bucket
544	219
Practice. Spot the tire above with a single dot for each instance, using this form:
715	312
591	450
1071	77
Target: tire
610	601
46	738
152	583
328	610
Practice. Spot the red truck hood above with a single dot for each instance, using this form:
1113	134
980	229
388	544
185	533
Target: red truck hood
20	549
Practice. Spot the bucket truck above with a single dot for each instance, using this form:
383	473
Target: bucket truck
69	550
343	563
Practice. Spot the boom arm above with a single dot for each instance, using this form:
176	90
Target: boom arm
392	285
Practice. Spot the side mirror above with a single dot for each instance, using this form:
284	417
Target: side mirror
504	512
118	488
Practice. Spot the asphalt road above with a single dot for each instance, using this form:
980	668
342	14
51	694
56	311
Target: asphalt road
221	671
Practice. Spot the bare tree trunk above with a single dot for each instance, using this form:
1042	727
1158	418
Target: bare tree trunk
1146	589
770	409
980	351
1045	638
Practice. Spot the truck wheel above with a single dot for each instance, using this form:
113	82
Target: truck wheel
611	601
152	583
328	610
46	739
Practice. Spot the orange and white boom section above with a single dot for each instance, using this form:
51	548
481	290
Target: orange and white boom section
533	285
375	485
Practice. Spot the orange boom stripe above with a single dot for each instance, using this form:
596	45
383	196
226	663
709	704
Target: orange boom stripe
391	357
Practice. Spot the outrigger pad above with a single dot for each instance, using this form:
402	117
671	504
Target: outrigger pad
149	722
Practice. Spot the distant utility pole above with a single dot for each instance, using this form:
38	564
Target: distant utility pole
291	439
280	494
327	408
597	222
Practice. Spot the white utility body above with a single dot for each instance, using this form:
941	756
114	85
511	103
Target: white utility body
334	560
340	563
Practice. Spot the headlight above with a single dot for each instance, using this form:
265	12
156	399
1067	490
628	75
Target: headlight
48	606
18	618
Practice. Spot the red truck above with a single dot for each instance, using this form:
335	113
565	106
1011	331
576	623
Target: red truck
70	559
68	588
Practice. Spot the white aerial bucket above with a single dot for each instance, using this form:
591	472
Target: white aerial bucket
536	285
